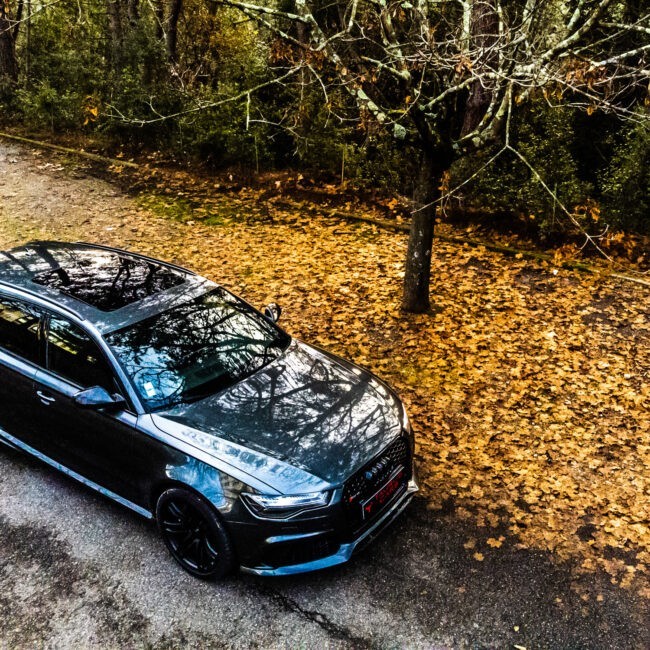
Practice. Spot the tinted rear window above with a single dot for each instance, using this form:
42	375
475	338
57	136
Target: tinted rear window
19	329
104	279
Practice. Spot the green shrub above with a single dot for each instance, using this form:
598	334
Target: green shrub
626	182
544	136
46	106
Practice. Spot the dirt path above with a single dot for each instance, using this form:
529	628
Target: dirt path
529	394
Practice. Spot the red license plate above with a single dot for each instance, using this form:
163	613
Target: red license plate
383	495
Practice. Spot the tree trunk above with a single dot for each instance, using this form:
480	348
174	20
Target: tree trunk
172	28
133	12
159	13
115	26
19	18
8	61
484	32
415	296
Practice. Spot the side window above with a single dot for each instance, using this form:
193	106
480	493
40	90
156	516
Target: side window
19	328
74	356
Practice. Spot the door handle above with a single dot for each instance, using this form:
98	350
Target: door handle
46	399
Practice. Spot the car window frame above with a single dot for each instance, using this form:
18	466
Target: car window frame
46	354
121	386
39	364
133	405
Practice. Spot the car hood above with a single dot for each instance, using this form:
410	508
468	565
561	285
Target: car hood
307	420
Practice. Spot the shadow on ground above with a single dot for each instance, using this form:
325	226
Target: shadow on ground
417	586
421	571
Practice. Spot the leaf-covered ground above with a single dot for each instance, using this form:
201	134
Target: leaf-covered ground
528	386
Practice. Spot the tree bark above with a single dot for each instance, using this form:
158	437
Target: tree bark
415	297
116	28
8	61
159	13
133	12
19	18
484	31
171	35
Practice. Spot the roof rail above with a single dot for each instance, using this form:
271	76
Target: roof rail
130	254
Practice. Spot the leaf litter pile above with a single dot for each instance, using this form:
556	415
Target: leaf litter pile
528	386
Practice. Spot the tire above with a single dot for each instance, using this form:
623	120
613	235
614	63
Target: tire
194	534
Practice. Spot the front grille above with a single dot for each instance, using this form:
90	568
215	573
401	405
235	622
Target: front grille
371	477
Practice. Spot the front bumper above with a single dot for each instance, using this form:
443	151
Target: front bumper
345	551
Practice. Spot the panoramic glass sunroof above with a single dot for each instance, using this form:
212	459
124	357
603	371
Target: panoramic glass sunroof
104	279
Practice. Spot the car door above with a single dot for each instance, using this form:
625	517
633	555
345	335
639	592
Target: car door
101	445
20	355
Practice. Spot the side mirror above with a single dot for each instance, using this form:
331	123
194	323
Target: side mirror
98	398
272	312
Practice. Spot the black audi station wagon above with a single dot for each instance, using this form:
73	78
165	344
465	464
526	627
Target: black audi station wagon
168	394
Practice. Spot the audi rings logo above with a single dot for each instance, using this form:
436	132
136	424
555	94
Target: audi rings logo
377	469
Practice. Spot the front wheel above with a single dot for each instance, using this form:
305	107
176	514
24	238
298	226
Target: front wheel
194	534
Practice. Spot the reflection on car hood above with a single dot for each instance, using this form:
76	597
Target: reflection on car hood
308	410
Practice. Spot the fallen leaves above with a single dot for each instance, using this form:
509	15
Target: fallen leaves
528	386
495	543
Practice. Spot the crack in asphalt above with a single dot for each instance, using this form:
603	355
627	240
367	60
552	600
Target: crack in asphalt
335	631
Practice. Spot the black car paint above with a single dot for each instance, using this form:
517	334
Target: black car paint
319	414
304	423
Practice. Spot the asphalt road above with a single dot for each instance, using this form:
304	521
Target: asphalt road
77	570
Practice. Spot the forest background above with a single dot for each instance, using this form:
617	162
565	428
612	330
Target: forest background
335	91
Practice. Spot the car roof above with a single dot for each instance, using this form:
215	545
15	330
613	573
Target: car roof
109	287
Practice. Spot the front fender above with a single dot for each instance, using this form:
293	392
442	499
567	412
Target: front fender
220	489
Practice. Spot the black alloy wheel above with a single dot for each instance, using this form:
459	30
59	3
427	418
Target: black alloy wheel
194	534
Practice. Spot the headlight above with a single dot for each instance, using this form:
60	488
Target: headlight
283	506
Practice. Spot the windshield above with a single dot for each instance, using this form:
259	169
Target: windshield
196	349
